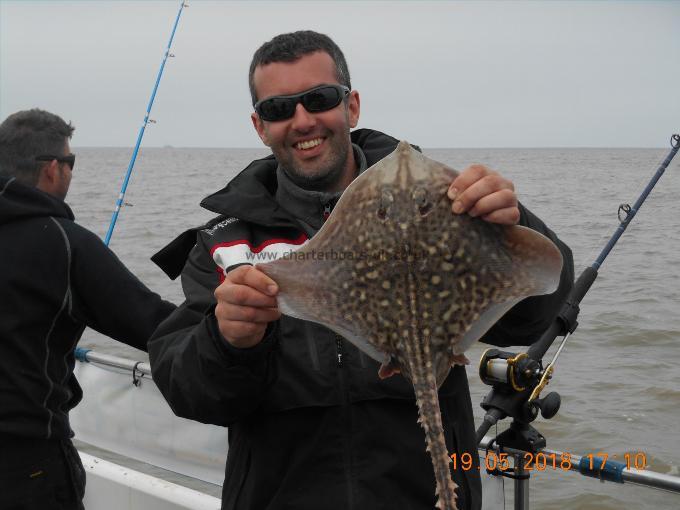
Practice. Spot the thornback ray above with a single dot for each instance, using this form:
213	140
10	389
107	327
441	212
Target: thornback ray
413	285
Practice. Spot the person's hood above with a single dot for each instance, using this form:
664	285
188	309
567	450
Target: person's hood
19	202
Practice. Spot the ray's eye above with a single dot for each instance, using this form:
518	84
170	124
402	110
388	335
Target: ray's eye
386	201
422	201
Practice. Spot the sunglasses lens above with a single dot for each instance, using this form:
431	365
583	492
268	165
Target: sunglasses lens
321	99
277	108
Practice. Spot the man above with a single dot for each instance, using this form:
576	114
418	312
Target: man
56	279
311	425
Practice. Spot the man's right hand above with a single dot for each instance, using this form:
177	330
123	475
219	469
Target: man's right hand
246	303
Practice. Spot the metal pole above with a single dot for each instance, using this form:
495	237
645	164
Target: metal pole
613	471
651	479
131	165
521	483
88	356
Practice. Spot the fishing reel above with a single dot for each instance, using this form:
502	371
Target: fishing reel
515	370
517	375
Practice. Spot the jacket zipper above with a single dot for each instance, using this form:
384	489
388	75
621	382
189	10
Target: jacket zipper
326	211
338	347
347	425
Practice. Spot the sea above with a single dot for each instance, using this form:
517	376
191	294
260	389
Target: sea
619	373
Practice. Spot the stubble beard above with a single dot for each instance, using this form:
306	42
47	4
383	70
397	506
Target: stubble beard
325	177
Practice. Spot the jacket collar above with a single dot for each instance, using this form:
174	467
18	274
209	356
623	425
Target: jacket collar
310	208
18	202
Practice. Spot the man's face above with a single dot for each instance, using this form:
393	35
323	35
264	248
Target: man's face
327	159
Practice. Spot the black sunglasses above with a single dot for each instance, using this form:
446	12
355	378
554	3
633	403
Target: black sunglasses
318	99
70	159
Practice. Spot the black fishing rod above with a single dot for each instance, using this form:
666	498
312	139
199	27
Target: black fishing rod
518	379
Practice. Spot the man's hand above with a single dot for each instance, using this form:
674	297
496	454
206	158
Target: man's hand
246	303
484	193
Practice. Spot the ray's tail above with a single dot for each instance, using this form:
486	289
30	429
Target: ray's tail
430	420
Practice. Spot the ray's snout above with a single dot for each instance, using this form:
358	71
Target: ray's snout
385	204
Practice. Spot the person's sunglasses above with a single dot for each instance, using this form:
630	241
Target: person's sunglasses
69	159
318	99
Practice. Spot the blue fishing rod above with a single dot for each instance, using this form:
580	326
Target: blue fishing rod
146	120
518	379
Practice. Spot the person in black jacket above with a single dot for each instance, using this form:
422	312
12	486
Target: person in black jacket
311	423
56	279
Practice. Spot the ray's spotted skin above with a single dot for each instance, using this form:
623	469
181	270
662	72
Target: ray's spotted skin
413	285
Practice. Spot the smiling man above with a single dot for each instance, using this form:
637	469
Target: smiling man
311	423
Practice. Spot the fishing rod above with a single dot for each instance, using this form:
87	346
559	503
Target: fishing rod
517	380
146	121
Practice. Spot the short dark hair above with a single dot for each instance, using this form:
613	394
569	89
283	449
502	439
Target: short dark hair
292	46
27	134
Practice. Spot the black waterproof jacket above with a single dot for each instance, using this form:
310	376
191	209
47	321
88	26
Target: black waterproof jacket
310	423
56	278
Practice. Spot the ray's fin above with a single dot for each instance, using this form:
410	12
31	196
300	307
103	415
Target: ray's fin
538	255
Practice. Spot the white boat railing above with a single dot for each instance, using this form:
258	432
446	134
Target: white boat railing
124	412
111	486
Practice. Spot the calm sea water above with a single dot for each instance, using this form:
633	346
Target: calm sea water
619	376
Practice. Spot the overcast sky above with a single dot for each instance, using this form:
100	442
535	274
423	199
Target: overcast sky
440	74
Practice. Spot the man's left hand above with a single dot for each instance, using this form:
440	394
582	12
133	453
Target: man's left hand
483	193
